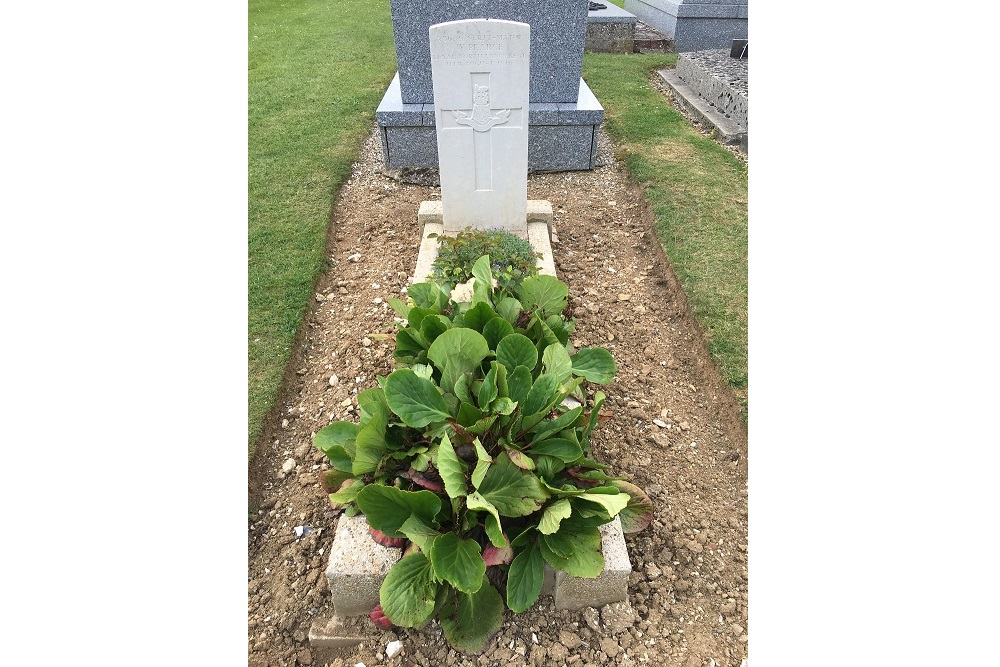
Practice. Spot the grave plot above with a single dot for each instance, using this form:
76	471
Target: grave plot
471	462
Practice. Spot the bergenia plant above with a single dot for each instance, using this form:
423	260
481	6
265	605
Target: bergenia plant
474	455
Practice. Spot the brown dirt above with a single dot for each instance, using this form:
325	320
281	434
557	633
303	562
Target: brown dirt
688	591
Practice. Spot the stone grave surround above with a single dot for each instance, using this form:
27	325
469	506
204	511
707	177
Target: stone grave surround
563	114
695	25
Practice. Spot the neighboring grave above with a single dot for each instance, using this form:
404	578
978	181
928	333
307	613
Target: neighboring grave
480	75
563	115
695	25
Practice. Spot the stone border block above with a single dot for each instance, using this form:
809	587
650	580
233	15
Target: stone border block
611	585
358	565
337	636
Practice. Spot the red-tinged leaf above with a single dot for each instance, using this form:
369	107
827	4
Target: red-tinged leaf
498	556
602	416
379	619
429	480
387	541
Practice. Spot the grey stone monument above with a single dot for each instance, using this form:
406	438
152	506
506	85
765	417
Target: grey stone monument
563	114
695	25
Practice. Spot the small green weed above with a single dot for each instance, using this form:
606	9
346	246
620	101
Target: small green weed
511	257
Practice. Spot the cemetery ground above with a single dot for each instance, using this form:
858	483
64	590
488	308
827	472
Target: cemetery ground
676	430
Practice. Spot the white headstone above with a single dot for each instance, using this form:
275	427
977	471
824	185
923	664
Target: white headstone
480	72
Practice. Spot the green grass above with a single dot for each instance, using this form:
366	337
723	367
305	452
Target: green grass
317	71
698	192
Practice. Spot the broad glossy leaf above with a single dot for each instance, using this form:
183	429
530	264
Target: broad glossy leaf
550	426
612	504
370	446
595	364
552	556
409	343
488	390
417	315
452	469
520	459
503	405
496	330
433	326
511	490
387	508
428	295
548	466
409	590
474	619
556	361
510	309
415	399
468	414
524	580
519	383
595	416
372	403
493	528
564	450
482	272
543	395
545	293
483	463
401	308
333	440
457	351
586	560
459	562
553	516
517	350
639	511
479	315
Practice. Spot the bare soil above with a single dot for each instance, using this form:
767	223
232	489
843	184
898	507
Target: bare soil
687	603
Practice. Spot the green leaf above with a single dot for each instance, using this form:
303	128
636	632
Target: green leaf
556	361
496	330
419	532
433	326
408	592
472	621
459	562
428	295
468	414
543	395
510	309
519	383
545	293
409	343
479	316
612	504
524	579
511	490
373	404
401	308
549	426
348	493
387	508
417	315
586	560
488	391
451	468
457	351
553	516
482	271
415	399
503	405
493	529
370	446
595	414
517	350
334	441
594	364
520	459
564	450
482	464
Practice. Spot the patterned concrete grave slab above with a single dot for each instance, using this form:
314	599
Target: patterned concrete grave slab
480	73
611	585
358	565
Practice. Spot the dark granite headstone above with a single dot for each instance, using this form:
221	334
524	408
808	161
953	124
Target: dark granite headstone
739	49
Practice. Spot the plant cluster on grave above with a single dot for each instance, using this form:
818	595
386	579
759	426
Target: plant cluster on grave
512	258
474	456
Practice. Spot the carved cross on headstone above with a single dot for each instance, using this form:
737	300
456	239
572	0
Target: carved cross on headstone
480	71
481	118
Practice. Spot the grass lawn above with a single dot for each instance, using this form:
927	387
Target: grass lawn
698	191
317	72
